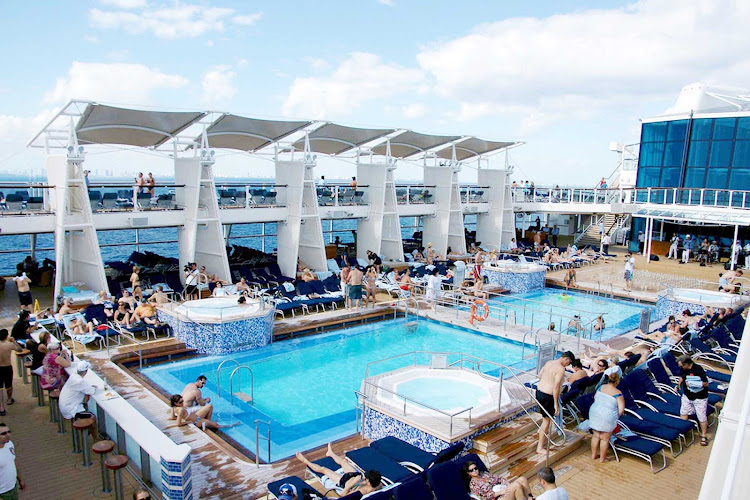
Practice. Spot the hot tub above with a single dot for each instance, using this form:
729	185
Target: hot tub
674	301
220	325
518	277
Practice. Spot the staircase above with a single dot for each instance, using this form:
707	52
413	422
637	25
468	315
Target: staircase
590	236
510	450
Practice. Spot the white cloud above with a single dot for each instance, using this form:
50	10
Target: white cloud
115	82
317	63
242	63
415	110
218	85
18	130
91	39
389	3
170	21
360	78
545	68
125	4
247	20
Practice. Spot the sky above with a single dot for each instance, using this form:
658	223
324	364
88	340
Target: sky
566	77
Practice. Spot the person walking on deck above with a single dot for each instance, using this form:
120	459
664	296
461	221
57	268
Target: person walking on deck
548	390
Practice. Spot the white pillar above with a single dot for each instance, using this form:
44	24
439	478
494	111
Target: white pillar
446	227
496	227
734	244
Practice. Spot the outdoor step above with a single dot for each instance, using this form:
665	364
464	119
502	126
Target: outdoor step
511	452
517	429
529	465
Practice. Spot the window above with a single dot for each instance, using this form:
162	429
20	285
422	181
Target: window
743	128
741	154
695	177
673	154
698	154
701	130
648	176
724	129
717	178
739	178
677	130
721	152
654	132
651	154
670	177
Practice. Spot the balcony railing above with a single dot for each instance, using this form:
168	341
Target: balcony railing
410	194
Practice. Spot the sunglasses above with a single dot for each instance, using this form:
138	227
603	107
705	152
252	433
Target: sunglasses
5	433
601	364
473	469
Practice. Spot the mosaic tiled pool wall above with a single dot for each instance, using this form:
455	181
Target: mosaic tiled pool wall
515	282
378	425
666	307
222	338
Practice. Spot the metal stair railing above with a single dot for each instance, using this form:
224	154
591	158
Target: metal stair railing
218	373
238	371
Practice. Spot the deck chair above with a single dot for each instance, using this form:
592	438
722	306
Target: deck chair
642	448
447	482
367	458
671	363
301	486
413	457
270	197
82	338
717	355
412	489
664	382
35	203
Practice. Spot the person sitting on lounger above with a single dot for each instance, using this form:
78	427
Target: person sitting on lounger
243	287
158	297
346	479
146	313
127	299
66	308
122	315
405	282
488	486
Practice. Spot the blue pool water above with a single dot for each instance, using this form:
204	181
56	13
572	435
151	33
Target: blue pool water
443	393
305	387
620	316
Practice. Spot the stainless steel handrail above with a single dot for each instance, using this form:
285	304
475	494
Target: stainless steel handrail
239	383
257	423
218	373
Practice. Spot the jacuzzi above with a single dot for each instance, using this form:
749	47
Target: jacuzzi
675	301
220	325
451	391
518	277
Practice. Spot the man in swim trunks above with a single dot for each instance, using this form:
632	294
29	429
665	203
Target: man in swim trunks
346	479
355	287
24	292
548	393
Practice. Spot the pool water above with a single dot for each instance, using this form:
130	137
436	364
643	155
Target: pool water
305	387
444	393
620	316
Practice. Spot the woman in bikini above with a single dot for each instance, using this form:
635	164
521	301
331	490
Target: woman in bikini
371	276
135	281
200	416
346	479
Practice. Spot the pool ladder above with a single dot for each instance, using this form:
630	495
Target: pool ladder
237	370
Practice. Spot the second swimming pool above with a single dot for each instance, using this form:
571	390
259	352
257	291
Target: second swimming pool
305	387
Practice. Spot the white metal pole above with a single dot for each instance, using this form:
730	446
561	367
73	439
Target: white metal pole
734	245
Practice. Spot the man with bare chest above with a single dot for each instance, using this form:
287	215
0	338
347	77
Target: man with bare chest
548	390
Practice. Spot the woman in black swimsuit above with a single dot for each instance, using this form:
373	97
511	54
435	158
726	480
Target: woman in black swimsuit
346	479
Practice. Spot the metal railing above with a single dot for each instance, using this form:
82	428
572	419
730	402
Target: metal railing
257	423
238	371
218	373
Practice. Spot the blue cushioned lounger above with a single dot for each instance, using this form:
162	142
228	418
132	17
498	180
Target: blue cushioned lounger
371	459
409	455
641	448
412	489
446	482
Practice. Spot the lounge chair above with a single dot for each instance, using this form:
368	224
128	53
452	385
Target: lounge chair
301	486
447	482
718	355
412	489
412	457
368	458
663	380
82	338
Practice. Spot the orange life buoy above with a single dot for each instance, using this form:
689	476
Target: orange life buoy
474	315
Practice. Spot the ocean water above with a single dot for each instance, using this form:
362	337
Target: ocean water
118	245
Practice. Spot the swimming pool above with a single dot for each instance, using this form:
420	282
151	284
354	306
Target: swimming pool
550	305
305	387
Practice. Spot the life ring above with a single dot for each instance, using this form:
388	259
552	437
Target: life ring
474	315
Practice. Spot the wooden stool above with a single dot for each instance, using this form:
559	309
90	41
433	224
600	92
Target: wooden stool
54	409
20	355
116	463
102	448
81	427
34	387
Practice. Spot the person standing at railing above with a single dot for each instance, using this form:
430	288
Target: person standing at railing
140	183
151	184
548	391
353	184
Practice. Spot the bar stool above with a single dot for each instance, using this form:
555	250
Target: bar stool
116	463
81	427
54	410
102	448
34	386
20	355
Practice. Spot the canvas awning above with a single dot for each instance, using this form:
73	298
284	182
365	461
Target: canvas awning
249	134
332	139
410	143
472	147
102	124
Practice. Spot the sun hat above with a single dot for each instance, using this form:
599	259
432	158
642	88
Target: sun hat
53	344
82	366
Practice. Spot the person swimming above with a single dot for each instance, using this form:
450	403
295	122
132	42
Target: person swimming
564	297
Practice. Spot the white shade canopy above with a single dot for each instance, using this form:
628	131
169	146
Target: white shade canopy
410	143
473	147
102	124
249	134
332	139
